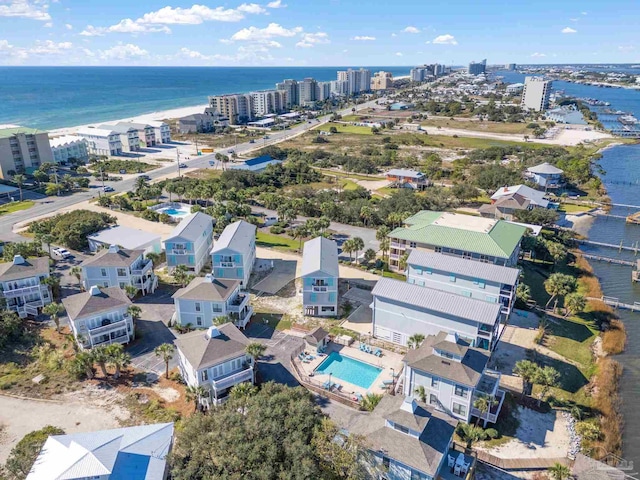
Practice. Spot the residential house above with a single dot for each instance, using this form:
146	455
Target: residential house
207	298
453	375
68	147
535	197
234	253
482	281
134	453
505	207
162	131
22	284
99	316
215	359
101	141
466	236
406	438
190	242
256	164
402	309
546	176
565	114
127	238
119	267
407	178
23	150
146	133
320	274
195	123
129	136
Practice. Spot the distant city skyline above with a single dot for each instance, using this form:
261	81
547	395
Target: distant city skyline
305	33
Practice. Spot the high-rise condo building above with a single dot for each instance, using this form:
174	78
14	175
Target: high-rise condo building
323	91
23	150
477	68
535	95
268	101
290	87
381	80
238	108
307	91
417	74
357	80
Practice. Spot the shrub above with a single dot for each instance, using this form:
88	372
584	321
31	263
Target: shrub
276	229
72	228
25	452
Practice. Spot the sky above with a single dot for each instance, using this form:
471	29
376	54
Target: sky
316	32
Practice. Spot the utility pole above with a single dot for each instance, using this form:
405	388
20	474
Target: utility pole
178	160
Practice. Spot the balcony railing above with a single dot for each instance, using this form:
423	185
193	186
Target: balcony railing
238	303
320	288
401	246
101	330
241	318
142	268
226	265
123	338
178	251
20	291
231	380
494	411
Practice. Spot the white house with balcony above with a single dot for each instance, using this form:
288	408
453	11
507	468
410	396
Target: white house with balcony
22	284
216	360
99	316
320	275
101	141
471	279
69	147
190	242
129	136
453	375
402	309
207	298
162	131
146	133
119	267
234	253
546	176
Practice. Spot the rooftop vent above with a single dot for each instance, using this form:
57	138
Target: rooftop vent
94	290
209	277
444	362
409	405
18	260
212	332
114	249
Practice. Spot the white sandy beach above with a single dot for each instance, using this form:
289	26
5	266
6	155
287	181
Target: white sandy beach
147	117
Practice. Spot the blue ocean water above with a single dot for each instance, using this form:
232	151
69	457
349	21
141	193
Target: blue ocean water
55	97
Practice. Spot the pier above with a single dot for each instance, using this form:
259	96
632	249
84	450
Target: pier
619	247
615	303
608	260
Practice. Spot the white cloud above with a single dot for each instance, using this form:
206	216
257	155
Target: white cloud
123	52
398	54
49	47
252	8
574	19
446	39
583	13
538	55
569	30
124	26
311	39
254	34
626	48
411	29
68	26
427	42
364	38
48	25
276	4
193	54
18	55
35	10
394	35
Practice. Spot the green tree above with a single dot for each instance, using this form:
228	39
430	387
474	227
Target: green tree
547	377
559	471
472	433
527	370
117	358
370	401
20	181
483	403
82	365
54	310
24	454
366	214
130	290
421	392
574	303
195	394
182	275
165	351
134	312
243	391
255	350
101	357
415	340
358	244
523	293
559	285
76	271
369	255
349	247
402	263
341	458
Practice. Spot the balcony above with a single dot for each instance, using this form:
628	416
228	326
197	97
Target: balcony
22	291
178	251
319	288
231	380
120	324
395	256
239	302
241	318
142	268
228	265
400	246
490	416
122	338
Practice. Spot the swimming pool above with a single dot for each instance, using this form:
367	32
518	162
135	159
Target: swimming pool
349	369
173	209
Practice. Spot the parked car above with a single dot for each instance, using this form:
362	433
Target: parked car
107	189
61	252
252	141
182	165
146	177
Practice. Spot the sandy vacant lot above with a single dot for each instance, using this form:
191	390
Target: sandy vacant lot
82	411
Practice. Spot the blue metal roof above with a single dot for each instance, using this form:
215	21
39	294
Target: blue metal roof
130	466
258	160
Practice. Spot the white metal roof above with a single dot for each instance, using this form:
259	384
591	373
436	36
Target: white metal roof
536	196
405	172
236	236
100	132
437	301
545	167
65	140
320	254
128	238
191	227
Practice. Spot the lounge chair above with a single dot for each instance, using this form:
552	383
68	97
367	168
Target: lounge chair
457	469
367	349
336	386
326	385
310	357
451	461
378	353
387	382
301	356
363	347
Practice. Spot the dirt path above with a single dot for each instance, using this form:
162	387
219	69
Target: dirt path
79	412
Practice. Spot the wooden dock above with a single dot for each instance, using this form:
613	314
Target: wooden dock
608	259
619	247
615	303
520	463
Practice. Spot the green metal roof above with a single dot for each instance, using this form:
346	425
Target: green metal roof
10	132
500	241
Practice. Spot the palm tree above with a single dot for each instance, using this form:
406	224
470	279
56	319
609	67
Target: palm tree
221	320
19	180
165	351
54	310
559	285
255	351
101	357
119	359
483	403
527	370
53	283
370	401
546	377
154	257
559	471
574	303
194	394
134	312
415	340
242	391
300	232
82	363
182	276
76	271
421	392
130	290
366	214
348	247
385	245
48	240
139	185
358	244
402	262
472	434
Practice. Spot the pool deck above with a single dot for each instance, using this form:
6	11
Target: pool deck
388	361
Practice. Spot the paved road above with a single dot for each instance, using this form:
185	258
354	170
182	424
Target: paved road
52	204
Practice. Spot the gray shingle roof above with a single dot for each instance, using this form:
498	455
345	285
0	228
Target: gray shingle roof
109	258
437	301
545	167
320	254
467	372
31	268
118	127
191	227
203	352
463	267
236	236
83	304
423	453
316	335
205	288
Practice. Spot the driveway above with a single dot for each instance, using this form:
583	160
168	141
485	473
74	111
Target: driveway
275	364
284	271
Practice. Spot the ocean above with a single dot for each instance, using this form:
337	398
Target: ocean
56	97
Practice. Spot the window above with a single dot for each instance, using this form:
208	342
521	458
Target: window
198	307
105	284
466	293
103	272
435	383
492	299
199	321
122	272
122	285
418	271
205	376
433	399
216	307
481	284
437	249
400	428
428	271
452	278
412	244
328	309
466	255
459	409
461	391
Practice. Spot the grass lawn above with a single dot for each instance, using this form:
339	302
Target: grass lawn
342	128
278	242
15	207
348	185
573	208
351	118
114	165
277	321
204	173
476	126
394	275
